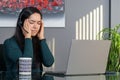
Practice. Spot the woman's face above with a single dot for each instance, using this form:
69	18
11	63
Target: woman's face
35	22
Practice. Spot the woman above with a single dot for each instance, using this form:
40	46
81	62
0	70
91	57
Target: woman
28	41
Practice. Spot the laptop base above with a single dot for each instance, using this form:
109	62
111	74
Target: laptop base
62	74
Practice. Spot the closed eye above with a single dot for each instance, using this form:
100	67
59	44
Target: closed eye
31	21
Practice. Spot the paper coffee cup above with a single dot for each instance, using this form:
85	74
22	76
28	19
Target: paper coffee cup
25	65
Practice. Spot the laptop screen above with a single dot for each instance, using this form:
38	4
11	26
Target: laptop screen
88	56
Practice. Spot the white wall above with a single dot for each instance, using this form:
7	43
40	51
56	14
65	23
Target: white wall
115	12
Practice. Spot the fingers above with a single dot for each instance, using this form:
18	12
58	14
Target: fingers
41	32
26	26
26	29
42	25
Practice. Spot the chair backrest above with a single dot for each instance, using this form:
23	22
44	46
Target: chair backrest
2	61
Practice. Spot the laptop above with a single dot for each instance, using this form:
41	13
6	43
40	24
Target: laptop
95	77
87	57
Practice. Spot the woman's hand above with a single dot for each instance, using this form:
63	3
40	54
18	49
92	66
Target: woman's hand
26	29
41	31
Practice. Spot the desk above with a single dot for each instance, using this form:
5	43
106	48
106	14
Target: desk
6	75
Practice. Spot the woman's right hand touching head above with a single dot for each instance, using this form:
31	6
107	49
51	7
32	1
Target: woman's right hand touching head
26	29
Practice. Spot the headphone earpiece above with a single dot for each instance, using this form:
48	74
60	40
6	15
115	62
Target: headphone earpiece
20	21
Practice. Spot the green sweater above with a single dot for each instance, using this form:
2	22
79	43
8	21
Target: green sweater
12	52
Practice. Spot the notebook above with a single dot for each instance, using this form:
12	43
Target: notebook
87	57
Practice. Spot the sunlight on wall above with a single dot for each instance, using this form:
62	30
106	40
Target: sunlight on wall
51	45
89	25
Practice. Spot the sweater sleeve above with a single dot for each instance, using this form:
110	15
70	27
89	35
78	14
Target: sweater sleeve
47	57
28	49
13	52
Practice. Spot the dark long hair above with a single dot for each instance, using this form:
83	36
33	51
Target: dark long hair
24	14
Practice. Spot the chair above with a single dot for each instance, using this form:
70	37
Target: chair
2	61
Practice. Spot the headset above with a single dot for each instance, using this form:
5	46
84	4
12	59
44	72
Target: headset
20	22
19	19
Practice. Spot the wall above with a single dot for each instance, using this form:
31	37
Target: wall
74	9
115	12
